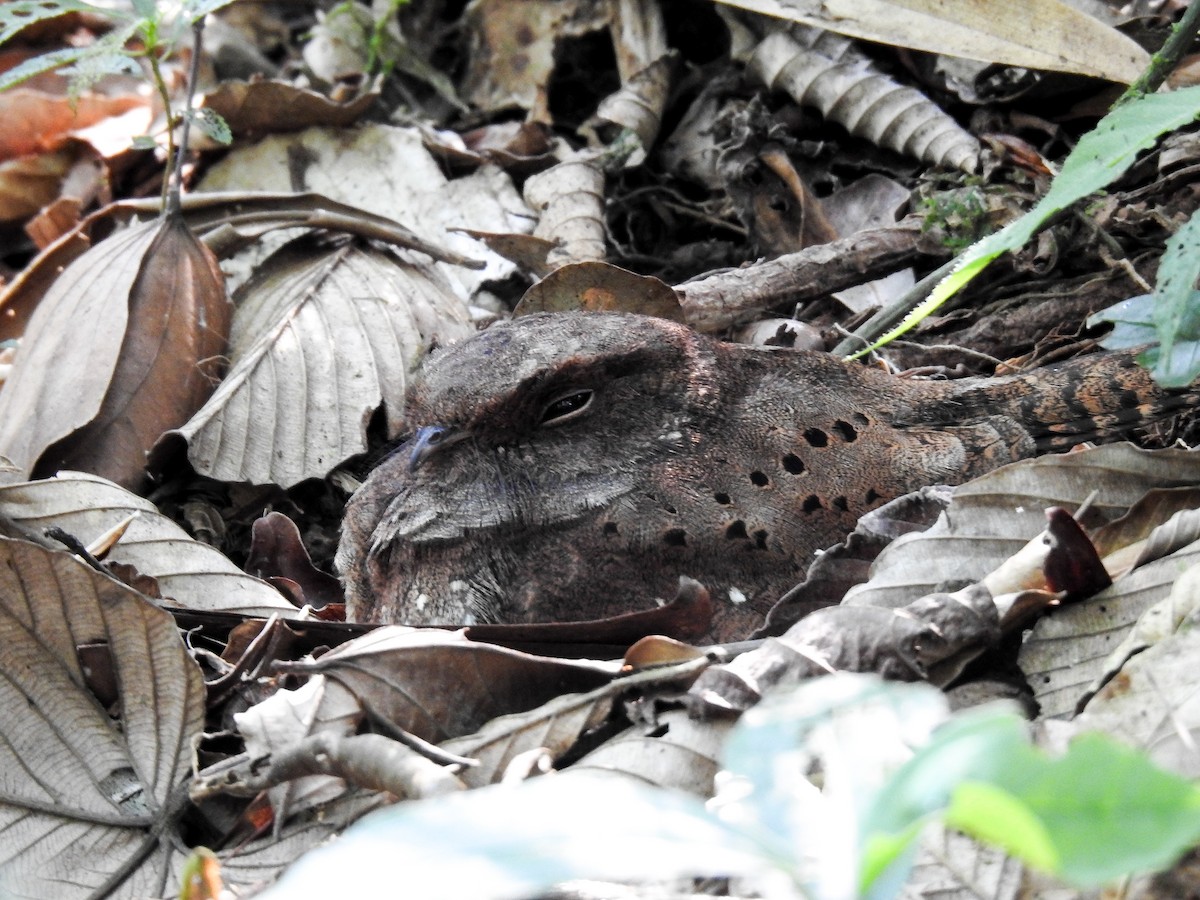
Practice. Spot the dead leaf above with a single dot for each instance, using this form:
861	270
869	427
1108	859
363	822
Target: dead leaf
323	336
86	794
992	517
193	574
261	107
557	725
569	202
125	344
1036	34
601	287
846	86
404	676
276	550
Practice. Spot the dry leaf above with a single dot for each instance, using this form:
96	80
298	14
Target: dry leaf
124	345
558	724
569	202
260	107
601	287
848	89
85	791
992	517
192	574
1036	34
438	685
322	338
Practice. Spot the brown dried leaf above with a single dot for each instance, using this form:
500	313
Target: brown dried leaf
681	752
194	575
1066	654
97	399
81	787
569	202
512	50
321	339
1152	704
258	107
276	550
29	183
439	685
71	348
931	638
47	117
601	287
638	106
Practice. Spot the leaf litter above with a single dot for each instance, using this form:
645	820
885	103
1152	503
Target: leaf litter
324	705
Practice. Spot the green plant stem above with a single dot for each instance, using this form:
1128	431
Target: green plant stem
894	312
160	85
1164	61
171	204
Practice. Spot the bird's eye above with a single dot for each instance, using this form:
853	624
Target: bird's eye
568	406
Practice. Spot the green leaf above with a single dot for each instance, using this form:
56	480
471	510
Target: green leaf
36	65
854	729
1100	157
1176	312
1109	810
1168	319
211	123
83	65
973	745
995	816
1100	812
1132	320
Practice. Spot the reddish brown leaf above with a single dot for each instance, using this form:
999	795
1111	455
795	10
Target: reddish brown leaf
1072	565
125	345
276	550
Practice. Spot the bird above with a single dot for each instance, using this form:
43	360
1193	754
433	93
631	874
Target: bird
572	466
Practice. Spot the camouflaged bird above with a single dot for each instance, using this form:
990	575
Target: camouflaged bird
572	466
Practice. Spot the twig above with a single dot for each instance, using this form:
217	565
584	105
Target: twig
1162	63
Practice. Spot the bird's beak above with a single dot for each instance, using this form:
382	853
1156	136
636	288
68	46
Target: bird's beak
428	440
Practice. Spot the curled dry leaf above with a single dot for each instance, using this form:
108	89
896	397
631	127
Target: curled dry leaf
321	339
569	201
930	638
277	551
190	573
125	345
638	106
88	792
822	70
